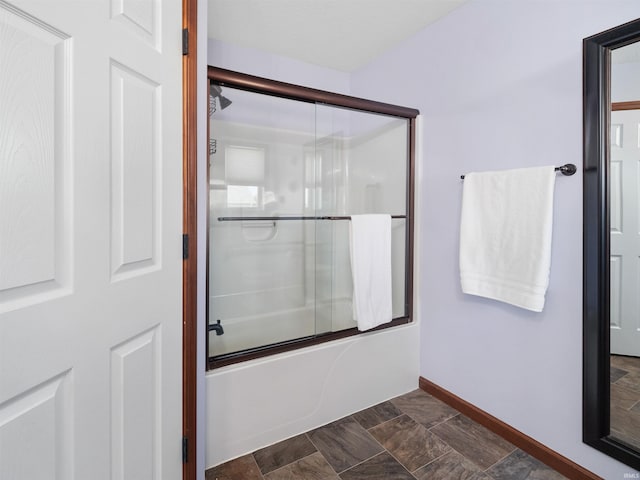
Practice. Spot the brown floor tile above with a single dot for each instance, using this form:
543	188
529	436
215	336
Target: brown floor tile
449	466
616	373
481	446
380	467
631	381
625	425
630	364
243	468
423	408
377	414
313	467
409	442
283	453
521	466
344	443
623	397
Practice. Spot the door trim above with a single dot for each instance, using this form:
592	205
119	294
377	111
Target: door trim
190	265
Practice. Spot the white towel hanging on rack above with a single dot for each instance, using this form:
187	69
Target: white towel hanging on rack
505	235
370	249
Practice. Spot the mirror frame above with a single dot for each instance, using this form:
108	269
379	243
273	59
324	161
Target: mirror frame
596	248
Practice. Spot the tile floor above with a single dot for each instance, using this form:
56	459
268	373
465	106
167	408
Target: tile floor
625	399
411	437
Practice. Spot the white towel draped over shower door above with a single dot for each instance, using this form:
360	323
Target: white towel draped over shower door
370	249
505	235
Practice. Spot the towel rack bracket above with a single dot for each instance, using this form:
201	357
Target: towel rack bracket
567	169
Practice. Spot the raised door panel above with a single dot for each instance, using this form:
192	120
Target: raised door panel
36	438
136	193
135	412
34	159
142	17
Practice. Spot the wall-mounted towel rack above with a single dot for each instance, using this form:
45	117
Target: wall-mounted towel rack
567	169
256	219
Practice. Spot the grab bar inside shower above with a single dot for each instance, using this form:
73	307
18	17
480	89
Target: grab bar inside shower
324	217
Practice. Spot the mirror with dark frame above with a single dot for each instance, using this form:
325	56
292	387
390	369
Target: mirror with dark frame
611	396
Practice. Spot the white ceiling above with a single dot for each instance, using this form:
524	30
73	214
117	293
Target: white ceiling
340	34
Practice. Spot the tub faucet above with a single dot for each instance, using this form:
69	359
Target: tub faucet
217	327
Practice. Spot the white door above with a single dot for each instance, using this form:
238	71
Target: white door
625	232
90	239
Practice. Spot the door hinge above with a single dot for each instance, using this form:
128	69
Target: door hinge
185	41
185	449
185	246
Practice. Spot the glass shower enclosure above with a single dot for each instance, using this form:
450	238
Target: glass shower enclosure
285	174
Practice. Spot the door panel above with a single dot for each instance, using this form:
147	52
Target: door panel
34	153
90	239
135	162
135	406
38	421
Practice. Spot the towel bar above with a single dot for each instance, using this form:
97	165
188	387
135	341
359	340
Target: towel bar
567	169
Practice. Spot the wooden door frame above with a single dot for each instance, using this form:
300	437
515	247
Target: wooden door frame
190	264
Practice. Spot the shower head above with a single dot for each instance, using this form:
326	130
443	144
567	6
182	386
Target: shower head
216	92
224	102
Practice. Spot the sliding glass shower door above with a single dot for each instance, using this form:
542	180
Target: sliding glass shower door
284	178
358	173
261	270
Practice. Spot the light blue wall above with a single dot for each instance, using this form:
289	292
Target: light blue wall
499	84
276	67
